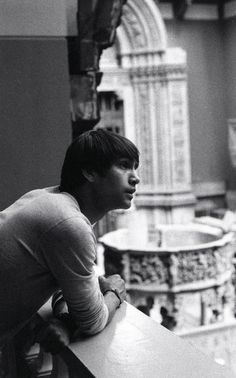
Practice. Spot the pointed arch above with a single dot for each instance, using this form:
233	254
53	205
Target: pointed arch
142	28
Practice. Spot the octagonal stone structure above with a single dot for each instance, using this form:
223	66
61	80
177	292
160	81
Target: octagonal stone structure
181	277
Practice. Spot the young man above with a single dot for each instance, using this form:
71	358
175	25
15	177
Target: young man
47	241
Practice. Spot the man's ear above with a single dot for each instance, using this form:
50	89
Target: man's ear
89	175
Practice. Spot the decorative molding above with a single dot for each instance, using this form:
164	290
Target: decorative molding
167	72
134	28
143	132
146	72
142	59
142	26
181	171
174	171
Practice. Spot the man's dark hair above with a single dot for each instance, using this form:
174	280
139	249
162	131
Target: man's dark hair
94	150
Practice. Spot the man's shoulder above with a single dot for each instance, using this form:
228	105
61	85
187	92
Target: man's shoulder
65	208
51	198
49	206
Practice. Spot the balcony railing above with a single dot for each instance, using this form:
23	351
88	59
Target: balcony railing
132	345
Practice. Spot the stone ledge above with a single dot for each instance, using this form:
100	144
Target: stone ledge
133	345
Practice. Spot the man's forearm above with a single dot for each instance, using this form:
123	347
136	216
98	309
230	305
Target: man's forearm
111	300
113	290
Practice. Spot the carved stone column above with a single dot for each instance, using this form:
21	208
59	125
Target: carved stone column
162	133
156	115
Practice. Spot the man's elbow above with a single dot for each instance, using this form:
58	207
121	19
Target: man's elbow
94	327
90	331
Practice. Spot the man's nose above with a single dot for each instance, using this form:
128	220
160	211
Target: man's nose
134	178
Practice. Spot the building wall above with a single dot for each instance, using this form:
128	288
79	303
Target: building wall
34	113
203	42
230	80
34	94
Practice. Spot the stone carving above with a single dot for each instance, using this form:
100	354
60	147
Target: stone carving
144	25
137	35
143	131
148	269
203	264
179	133
169	280
185	267
145	73
172	269
145	139
168	72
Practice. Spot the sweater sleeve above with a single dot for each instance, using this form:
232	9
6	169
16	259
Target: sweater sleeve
69	250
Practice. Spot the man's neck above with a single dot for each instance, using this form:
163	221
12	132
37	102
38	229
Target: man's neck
88	204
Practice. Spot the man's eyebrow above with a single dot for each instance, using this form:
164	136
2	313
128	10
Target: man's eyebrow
130	160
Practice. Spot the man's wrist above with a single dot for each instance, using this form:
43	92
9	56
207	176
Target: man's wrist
116	292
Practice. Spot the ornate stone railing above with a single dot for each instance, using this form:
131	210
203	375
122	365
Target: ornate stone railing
132	345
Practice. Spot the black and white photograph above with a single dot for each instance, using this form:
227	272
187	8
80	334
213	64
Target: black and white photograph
118	188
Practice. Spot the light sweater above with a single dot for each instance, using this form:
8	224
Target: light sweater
47	244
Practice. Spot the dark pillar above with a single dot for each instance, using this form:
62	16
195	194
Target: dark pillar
97	22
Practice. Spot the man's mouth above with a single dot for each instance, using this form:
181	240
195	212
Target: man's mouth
130	193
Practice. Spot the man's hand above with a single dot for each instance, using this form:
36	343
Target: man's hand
53	336
113	282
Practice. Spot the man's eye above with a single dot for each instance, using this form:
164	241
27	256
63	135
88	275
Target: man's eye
124	164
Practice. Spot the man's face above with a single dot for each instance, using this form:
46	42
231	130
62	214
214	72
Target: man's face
116	189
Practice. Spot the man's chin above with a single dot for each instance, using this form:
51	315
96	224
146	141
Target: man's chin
123	206
127	205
